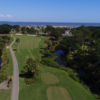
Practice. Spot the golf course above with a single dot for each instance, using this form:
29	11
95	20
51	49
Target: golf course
53	84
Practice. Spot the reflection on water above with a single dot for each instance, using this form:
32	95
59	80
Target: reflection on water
58	60
0	63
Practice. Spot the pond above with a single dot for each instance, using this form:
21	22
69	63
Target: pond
0	63
58	60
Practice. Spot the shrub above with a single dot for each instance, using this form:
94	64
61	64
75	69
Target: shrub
85	86
73	76
48	54
7	85
50	62
2	78
4	66
63	68
30	81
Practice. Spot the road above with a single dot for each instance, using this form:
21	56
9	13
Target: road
15	86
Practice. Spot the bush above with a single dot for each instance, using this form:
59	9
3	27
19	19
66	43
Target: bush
73	76
50	62
85	86
63	68
7	85
47	53
30	81
2	78
4	66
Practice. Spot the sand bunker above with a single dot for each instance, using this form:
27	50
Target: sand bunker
18	34
31	35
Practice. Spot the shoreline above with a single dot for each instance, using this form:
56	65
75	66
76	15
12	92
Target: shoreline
54	24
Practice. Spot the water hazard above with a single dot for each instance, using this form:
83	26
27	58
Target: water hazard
58	60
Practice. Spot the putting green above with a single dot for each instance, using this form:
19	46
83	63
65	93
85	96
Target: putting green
49	78
58	93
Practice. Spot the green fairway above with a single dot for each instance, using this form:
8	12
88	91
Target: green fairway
49	78
28	42
58	93
53	84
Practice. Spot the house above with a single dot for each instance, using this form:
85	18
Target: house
36	27
67	33
27	26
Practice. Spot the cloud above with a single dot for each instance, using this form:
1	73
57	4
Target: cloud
9	16
2	15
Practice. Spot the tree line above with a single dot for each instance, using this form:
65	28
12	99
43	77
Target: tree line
3	55
82	52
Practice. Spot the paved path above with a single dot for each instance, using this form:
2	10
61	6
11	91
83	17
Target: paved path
15	86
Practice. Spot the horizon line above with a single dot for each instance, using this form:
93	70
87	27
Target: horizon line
49	22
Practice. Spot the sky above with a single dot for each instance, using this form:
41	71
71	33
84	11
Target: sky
50	11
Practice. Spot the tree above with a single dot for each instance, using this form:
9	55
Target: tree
56	33
32	30
30	68
16	27
49	29
28	30
68	44
1	45
5	28
42	29
96	37
23	30
29	61
18	40
48	43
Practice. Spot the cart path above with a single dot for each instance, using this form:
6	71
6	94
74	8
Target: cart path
15	86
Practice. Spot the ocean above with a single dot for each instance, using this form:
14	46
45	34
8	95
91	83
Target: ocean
50	23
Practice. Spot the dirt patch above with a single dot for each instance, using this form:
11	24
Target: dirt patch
4	86
49	78
58	93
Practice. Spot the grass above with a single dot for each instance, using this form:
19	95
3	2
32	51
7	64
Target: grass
28	42
10	63
50	78
58	93
5	94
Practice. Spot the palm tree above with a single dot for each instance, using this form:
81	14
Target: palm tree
30	68
18	40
